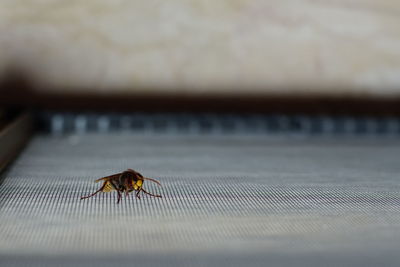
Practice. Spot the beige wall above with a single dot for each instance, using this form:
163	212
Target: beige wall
237	46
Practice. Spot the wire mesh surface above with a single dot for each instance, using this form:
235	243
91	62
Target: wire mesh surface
227	200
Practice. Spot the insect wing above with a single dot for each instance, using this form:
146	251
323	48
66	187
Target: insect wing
108	178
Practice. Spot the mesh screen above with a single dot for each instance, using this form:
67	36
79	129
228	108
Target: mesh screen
227	200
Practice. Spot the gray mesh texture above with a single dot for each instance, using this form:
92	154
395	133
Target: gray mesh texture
227	201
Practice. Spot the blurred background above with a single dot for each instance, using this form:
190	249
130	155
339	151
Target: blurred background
201	50
273	127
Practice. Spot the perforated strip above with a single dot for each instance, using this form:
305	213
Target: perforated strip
220	124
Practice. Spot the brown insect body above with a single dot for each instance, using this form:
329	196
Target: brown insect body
126	181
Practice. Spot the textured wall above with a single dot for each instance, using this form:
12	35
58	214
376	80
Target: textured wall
284	46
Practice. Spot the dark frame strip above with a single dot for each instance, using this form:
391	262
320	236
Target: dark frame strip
13	137
311	105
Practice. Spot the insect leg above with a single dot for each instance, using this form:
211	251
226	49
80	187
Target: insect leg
101	188
119	196
137	193
144	191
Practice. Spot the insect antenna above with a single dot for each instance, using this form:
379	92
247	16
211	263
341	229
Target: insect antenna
153	180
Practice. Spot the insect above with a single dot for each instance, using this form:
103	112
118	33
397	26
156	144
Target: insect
126	181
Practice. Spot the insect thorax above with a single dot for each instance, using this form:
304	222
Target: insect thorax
131	180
